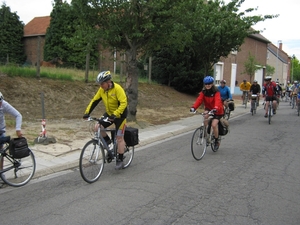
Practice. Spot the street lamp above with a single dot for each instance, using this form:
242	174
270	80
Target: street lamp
277	71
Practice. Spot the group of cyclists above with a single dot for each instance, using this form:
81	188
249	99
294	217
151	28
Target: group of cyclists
216	98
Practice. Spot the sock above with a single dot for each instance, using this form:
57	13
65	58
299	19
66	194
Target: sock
107	139
121	157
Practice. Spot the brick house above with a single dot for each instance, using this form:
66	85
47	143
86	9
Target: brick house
34	41
280	60
232	68
33	31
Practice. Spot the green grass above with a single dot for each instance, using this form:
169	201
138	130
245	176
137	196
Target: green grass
59	73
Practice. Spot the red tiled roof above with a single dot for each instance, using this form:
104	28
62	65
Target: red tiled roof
37	26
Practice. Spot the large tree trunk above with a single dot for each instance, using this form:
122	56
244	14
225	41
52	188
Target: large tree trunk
132	84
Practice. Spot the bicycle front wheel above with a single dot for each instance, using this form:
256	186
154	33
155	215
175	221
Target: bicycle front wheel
91	161
128	156
18	172
198	143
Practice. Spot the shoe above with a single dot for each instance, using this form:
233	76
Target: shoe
119	165
274	111
266	115
217	144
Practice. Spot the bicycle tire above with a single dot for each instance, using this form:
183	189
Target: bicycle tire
270	112
246	100
18	171
91	161
198	144
298	108
252	107
128	156
293	102
227	113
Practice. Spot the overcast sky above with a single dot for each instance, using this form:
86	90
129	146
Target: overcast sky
285	28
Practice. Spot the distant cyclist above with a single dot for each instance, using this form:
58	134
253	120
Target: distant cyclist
211	98
225	93
269	91
255	90
279	89
245	88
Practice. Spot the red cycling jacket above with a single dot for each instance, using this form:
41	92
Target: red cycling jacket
269	89
211	101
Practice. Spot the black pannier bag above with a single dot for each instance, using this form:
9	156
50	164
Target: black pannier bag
18	148
223	126
131	136
231	106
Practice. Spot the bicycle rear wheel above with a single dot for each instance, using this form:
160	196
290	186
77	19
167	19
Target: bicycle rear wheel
198	144
227	113
18	172
128	156
91	161
270	112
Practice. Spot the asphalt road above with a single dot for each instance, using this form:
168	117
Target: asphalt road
253	179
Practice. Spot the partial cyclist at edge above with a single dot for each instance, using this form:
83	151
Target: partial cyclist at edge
6	108
225	93
245	88
211	97
115	102
269	91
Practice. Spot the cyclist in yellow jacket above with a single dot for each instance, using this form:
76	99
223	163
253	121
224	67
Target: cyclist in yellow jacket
245	88
115	102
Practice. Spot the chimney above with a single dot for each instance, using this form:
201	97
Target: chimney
280	45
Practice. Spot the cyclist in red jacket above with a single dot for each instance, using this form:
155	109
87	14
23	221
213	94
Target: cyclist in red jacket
211	98
270	91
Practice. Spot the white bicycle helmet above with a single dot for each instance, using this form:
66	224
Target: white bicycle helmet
1	97
103	76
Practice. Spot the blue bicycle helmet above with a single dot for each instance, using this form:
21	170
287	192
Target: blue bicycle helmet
208	80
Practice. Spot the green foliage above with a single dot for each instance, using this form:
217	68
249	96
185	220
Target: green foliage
295	73
12	31
70	37
270	70
251	66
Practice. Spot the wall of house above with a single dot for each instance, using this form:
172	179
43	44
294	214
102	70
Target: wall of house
31	48
236	60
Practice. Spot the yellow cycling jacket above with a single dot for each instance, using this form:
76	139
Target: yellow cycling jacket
245	87
114	99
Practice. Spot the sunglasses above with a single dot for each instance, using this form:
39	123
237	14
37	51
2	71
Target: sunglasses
208	84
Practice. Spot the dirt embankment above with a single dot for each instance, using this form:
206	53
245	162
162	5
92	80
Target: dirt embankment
65	101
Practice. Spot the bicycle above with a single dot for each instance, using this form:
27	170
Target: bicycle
15	172
270	110
227	110
245	100
293	100
253	103
202	139
96	152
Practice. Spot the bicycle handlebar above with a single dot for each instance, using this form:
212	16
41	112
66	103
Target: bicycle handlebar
99	120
